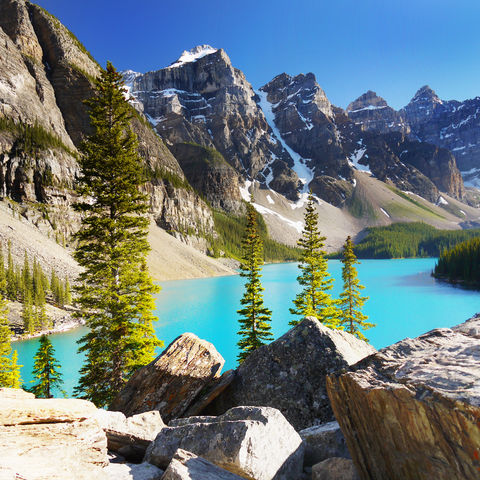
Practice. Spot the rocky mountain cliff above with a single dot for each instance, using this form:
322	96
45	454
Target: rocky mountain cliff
202	98
287	135
46	74
334	144
452	124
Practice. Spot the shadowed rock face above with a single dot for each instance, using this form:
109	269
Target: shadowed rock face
289	373
173	380
412	410
209	173
304	118
373	113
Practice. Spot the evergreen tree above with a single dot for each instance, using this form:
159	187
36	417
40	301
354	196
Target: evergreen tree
46	370
12	285
115	291
351	302
28	316
27	281
255	325
68	293
9	368
314	300
3	274
41	320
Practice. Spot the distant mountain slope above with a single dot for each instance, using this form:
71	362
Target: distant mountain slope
452	124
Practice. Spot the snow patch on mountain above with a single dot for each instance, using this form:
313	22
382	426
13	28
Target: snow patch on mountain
305	174
129	77
370	107
193	55
356	156
303	200
245	190
298	226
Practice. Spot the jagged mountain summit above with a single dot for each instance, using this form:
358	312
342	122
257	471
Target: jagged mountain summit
287	135
452	125
333	145
374	113
201	98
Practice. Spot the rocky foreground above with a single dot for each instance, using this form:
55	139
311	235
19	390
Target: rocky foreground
409	411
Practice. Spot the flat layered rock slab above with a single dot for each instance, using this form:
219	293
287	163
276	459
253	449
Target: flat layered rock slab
290	373
412	410
50	439
173	380
187	466
256	443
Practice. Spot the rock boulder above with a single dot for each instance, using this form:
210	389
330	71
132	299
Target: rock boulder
130	436
132	471
173	380
335	468
187	466
50	439
256	443
412	411
289	373
322	442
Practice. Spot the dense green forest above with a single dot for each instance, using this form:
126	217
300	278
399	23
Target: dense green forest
460	263
406	240
231	229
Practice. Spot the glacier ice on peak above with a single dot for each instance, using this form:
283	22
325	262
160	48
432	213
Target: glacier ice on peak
193	55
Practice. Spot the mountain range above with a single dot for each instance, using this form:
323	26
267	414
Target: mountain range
209	139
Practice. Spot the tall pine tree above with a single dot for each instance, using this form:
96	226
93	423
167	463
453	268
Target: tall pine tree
255	322
46	370
9	369
314	300
115	291
351	302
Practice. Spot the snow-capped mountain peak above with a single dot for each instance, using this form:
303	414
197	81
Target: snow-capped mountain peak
193	55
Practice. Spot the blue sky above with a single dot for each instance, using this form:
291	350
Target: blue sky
390	46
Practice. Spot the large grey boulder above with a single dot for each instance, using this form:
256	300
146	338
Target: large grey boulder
187	466
130	436
132	471
173	380
50	439
412	410
253	442
289	373
322	442
335	468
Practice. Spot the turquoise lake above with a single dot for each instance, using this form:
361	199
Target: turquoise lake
405	301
